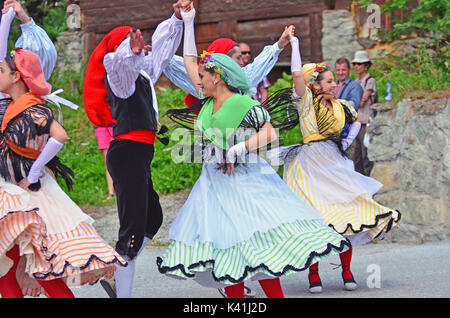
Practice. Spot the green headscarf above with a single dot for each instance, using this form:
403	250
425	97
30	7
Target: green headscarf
218	128
227	68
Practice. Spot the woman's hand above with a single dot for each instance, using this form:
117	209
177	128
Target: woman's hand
290	31
233	154
227	168
286	36
181	5
188	13
20	11
24	183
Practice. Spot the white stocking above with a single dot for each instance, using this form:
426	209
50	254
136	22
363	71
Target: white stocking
125	275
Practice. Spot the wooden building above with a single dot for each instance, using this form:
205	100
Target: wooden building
255	22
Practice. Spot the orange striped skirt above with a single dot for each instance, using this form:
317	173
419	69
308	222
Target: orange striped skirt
55	238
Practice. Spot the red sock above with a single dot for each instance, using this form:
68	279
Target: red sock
272	287
346	259
56	288
314	273
9	287
235	291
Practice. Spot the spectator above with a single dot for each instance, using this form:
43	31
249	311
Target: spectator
349	90
262	88
361	64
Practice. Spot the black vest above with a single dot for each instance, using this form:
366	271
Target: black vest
134	112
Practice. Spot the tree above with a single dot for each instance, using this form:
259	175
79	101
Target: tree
428	18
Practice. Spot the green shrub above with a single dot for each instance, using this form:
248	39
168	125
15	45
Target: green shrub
427	17
50	15
417	75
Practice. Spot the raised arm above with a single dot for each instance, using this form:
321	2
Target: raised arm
189	48
296	67
33	38
165	42
124	65
7	17
265	61
177	74
36	40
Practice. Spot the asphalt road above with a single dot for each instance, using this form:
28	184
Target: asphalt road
383	270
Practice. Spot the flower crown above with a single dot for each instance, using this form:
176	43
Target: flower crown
208	61
320	67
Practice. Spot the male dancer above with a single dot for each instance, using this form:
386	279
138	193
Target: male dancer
130	73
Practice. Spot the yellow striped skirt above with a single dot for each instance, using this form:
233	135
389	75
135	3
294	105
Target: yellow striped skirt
324	178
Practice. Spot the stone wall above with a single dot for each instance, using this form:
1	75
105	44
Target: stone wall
411	148
339	36
70	47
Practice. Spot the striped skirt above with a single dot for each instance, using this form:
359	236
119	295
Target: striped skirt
248	225
55	238
321	176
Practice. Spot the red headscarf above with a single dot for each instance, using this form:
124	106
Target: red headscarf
94	90
30	69
222	45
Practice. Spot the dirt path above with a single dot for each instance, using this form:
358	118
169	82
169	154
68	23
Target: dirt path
107	222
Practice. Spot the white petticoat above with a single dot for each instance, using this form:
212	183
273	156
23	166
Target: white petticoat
226	209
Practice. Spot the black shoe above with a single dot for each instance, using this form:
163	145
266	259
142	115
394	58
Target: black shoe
109	285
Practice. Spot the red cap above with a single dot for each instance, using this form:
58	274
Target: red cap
30	70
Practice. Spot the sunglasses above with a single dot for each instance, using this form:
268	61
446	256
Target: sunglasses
246	52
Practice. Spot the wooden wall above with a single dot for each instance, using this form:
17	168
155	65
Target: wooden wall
256	22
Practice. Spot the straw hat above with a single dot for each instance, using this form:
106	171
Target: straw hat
361	57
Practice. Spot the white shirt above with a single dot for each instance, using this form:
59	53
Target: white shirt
123	66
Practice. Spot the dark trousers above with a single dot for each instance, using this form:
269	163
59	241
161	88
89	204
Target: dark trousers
358	153
140	213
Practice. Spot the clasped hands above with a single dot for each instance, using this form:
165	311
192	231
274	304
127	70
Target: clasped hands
233	154
136	38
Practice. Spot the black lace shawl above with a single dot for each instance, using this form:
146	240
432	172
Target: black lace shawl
27	127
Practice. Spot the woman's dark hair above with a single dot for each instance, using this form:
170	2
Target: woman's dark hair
320	76
10	61
318	79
